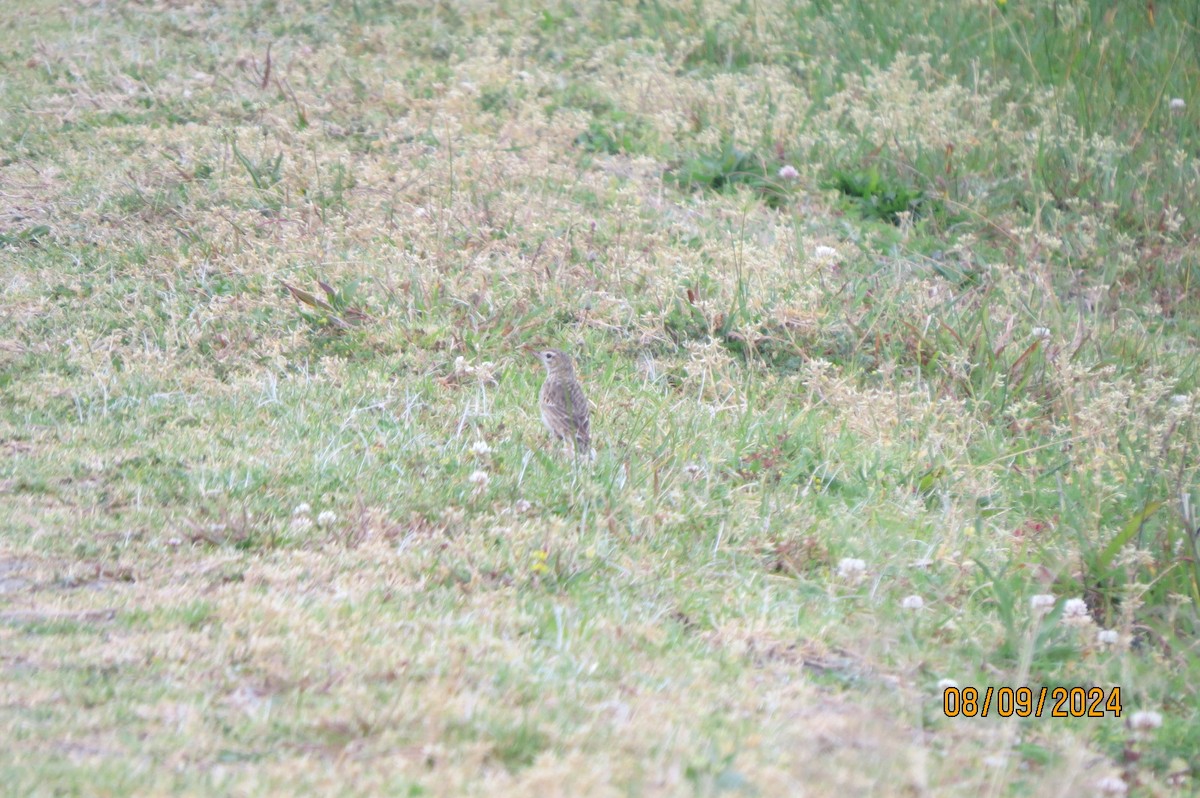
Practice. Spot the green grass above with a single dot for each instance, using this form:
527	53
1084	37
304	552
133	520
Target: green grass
871	302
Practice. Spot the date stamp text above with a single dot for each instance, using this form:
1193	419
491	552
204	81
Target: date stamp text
1032	702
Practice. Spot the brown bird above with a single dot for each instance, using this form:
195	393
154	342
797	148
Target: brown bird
564	407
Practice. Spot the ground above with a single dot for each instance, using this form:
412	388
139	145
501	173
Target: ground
888	321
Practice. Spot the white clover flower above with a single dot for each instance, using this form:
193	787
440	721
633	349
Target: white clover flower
946	684
851	568
479	478
522	506
301	523
788	172
1075	613
481	448
1042	603
1145	720
485	371
1177	104
912	602
303	508
1108	637
1111	785
1040	332
824	253
327	518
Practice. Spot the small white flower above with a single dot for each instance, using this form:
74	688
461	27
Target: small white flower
479	478
1075	613
1179	399
788	172
301	523
485	371
912	602
1111	785
1040	332
1108	637
946	684
327	518
1145	720
1177	104
1041	603
303	508
174	541
693	470
824	253
522	506
851	568
481	448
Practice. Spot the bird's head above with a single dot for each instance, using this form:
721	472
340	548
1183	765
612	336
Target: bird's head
555	361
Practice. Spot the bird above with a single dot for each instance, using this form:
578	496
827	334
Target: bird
564	407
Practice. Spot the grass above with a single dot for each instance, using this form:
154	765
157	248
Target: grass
888	318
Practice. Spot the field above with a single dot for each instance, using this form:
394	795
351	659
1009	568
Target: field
888	315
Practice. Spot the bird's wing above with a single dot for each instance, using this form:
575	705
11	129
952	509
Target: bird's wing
579	415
